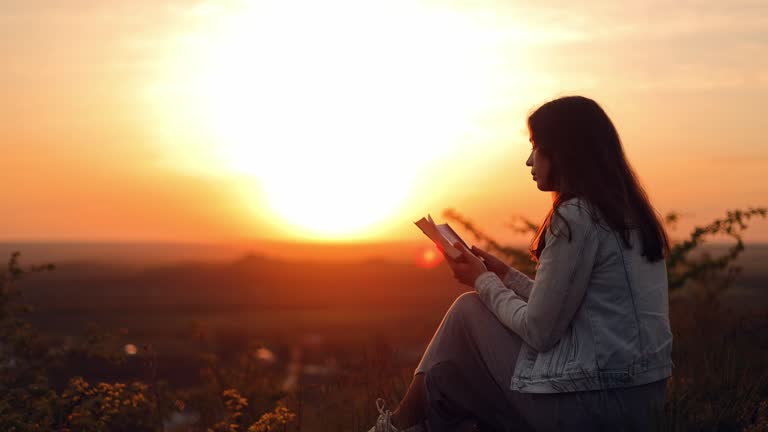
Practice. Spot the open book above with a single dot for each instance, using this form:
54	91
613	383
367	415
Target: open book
443	235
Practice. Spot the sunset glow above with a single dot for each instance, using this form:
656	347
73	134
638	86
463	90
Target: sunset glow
343	121
334	128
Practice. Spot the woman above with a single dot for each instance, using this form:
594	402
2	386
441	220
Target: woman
586	345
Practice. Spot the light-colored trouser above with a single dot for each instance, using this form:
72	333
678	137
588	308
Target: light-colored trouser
468	368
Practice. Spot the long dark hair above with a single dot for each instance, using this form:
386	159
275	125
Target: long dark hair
587	161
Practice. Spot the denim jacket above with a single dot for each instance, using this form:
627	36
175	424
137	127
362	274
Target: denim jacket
596	316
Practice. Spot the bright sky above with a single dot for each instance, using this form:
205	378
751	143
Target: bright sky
136	120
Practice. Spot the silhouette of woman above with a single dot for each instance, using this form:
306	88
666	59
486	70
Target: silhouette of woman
587	344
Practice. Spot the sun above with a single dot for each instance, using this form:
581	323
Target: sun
334	111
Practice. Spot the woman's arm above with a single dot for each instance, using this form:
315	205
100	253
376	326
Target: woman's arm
556	293
518	282
512	278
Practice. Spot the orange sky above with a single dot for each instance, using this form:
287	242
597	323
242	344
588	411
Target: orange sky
339	120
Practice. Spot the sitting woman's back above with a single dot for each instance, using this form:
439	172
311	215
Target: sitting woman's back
629	297
597	312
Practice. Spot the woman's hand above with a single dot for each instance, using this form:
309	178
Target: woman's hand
467	267
491	262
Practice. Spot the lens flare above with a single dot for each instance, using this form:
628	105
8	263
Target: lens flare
429	257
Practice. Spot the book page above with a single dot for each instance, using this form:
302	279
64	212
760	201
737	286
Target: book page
451	235
435	232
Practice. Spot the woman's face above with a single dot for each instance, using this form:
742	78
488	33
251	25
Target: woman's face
540	166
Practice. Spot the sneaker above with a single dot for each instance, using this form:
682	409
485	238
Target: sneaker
384	422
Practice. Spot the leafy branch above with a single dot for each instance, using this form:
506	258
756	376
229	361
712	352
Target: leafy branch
682	266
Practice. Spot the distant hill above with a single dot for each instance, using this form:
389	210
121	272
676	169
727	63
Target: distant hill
139	254
259	281
250	281
142	254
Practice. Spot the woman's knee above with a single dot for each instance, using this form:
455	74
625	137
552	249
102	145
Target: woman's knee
467	301
466	307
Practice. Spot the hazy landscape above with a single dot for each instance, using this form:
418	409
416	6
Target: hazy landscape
335	333
249	292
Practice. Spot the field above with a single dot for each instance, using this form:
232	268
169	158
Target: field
331	337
